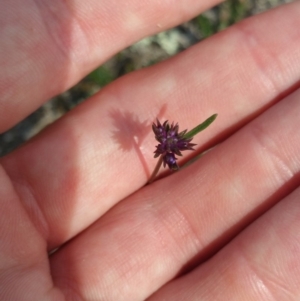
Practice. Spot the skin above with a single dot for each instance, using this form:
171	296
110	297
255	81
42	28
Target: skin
224	228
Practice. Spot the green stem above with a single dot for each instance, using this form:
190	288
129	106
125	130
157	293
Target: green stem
156	169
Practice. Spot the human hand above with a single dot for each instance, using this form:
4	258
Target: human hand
79	185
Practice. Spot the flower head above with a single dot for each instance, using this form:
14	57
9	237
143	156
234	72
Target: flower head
171	143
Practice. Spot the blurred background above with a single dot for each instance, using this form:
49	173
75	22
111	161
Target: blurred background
146	52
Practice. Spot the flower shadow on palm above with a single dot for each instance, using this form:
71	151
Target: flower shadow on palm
130	132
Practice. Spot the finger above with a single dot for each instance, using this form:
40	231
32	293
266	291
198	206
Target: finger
24	267
165	228
103	151
48	46
262	263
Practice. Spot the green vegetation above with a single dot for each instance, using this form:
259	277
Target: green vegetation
205	26
101	76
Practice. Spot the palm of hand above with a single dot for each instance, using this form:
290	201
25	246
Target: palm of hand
72	187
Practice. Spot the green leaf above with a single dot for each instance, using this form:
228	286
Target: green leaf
200	127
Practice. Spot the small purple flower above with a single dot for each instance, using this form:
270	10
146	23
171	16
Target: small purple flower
171	143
